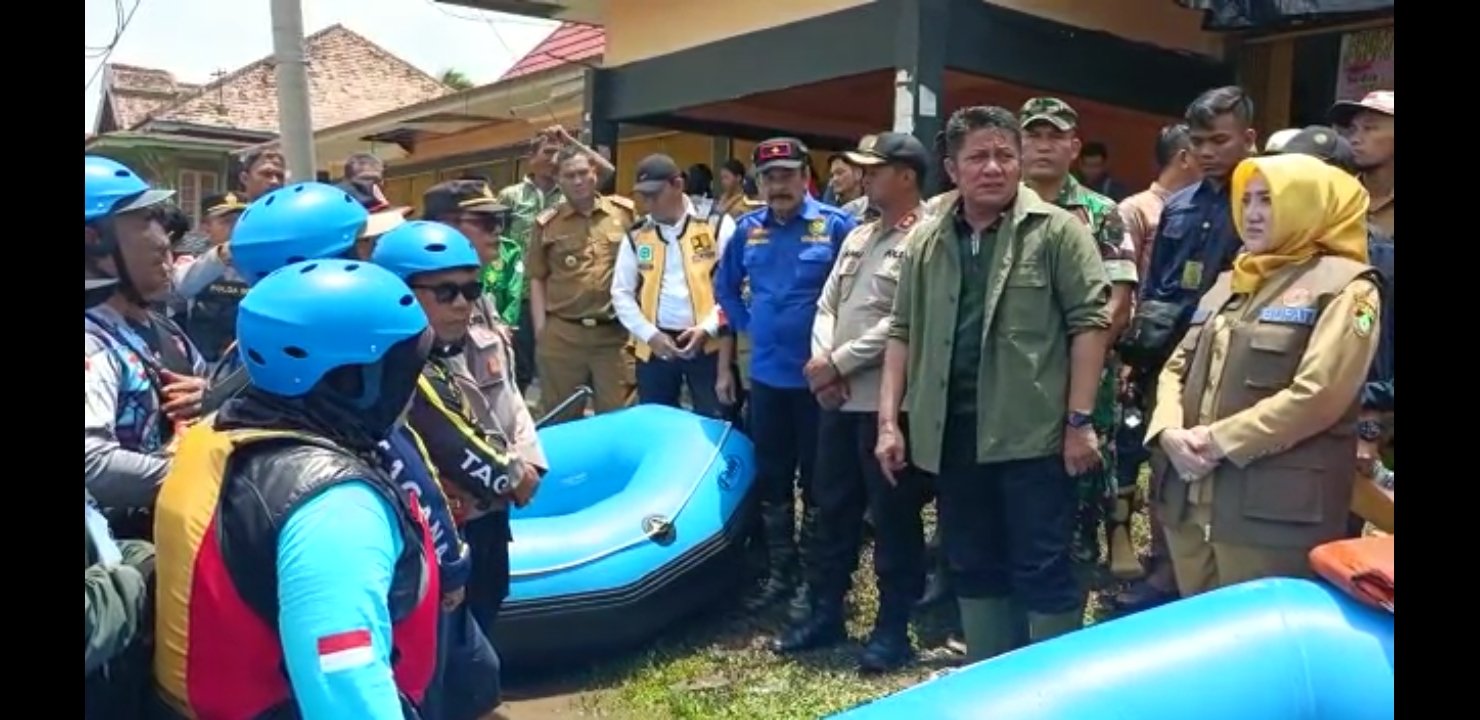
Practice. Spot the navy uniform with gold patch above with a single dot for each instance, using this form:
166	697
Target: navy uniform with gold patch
786	261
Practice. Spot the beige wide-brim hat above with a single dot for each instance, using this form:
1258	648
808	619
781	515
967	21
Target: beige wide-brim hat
384	221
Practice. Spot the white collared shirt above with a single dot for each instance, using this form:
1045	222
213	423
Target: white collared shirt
675	307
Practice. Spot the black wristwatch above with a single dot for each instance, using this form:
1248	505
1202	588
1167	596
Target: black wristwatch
1369	430
1078	419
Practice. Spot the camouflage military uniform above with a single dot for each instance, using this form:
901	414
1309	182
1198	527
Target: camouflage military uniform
1097	490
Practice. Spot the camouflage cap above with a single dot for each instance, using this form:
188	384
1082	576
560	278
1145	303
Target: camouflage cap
1053	111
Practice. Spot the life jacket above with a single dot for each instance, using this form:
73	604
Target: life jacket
218	655
698	248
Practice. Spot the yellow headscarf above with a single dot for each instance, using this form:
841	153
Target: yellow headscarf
1317	209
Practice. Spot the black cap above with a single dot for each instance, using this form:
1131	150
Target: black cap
782	152
891	147
654	172
222	204
455	196
97	290
1322	142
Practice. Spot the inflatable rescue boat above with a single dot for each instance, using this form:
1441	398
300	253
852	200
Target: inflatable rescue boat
638	524
1275	649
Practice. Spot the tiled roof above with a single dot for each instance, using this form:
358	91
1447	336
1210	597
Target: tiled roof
349	77
571	42
130	93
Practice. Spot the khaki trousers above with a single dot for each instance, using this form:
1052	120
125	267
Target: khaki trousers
570	354
1201	565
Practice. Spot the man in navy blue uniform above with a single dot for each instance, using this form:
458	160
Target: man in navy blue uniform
783	252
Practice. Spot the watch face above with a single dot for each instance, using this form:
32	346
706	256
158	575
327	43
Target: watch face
1079	419
1369	430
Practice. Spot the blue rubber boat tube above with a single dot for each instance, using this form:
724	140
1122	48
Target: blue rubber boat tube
638	524
1271	649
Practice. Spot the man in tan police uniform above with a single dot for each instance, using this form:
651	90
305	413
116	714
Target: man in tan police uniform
849	334
485	368
570	262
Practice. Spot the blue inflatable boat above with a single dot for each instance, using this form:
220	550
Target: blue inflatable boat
637	525
1272	649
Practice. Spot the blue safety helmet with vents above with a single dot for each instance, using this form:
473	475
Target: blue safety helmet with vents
421	246
307	221
300	323
110	188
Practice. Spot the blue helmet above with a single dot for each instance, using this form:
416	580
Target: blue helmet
421	246
307	221
301	322
111	189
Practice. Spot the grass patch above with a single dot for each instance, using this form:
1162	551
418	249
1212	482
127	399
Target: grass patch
719	668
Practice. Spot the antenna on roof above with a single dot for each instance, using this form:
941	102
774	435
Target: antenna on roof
216	77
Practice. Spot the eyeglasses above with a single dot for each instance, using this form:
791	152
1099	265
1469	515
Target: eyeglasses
446	293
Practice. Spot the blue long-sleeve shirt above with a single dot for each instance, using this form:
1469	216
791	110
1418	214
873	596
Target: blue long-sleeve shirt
408	464
336	557
786	264
1195	241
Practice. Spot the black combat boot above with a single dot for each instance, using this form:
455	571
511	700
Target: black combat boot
801	603
781	557
888	646
821	627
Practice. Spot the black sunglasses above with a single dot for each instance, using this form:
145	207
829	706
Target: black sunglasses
447	292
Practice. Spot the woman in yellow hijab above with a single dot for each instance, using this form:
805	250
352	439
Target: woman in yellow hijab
1253	435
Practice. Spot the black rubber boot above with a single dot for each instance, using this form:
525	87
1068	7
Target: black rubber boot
801	602
821	627
888	646
781	557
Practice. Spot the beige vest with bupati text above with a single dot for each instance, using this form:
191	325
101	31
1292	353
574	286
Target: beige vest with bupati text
1299	497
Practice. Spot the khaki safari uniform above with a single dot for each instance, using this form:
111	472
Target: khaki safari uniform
1276	378
736	205
576	254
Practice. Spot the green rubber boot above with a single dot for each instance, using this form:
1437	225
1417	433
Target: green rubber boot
989	627
1046	627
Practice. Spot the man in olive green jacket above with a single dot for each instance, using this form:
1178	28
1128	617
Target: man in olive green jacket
999	332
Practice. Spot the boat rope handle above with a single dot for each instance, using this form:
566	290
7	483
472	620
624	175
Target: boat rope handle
644	537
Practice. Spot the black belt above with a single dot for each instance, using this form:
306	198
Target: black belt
588	322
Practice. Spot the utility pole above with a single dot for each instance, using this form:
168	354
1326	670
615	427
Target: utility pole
295	122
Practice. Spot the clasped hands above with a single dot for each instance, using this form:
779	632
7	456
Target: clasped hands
686	346
826	382
1192	451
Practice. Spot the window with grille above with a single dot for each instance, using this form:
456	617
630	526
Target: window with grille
194	185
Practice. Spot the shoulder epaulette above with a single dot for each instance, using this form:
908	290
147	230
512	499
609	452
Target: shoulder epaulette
545	217
622	202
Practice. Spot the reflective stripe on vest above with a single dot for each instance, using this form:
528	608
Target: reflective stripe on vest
699	250
215	658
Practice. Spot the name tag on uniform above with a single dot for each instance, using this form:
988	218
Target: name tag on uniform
1288	315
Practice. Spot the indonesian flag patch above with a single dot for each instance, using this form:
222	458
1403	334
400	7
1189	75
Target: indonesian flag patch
345	651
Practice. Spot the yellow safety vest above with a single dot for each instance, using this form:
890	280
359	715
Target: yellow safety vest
700	252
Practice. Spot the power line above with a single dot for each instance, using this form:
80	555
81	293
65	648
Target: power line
491	26
107	52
